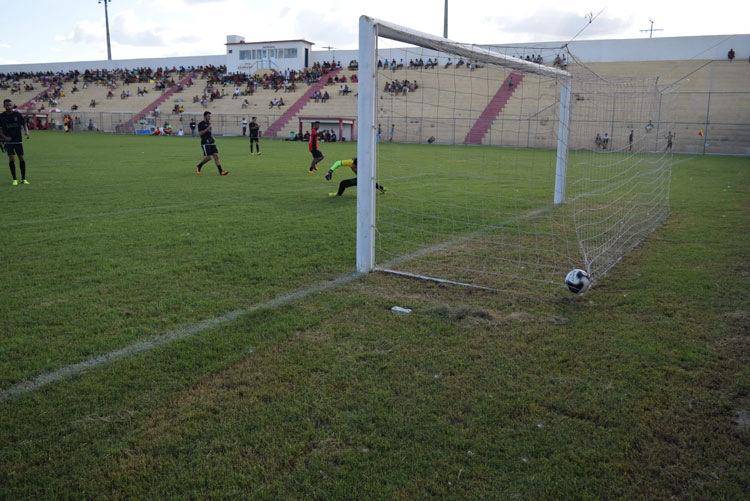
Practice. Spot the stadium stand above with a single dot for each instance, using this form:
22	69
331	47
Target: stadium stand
180	96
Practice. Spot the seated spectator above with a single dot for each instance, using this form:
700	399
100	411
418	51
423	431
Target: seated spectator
460	63
74	107
354	78
598	140
236	94
92	104
325	97
449	63
245	103
280	103
273	103
110	95
730	55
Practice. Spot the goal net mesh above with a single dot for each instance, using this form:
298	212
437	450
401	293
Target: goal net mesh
468	152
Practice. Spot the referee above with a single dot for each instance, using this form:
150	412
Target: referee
208	143
11	123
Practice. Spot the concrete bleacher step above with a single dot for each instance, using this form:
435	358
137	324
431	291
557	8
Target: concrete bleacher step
130	124
483	124
297	106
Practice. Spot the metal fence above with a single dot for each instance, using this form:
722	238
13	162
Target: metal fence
723	118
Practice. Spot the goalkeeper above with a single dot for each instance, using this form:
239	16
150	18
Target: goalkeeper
343	185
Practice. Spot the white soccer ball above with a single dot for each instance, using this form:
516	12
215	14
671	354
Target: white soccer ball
577	281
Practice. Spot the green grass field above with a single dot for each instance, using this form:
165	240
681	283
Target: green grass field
293	383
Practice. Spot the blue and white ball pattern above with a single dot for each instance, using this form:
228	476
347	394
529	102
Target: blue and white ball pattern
577	281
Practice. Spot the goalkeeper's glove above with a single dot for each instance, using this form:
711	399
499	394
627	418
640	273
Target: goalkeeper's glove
329	175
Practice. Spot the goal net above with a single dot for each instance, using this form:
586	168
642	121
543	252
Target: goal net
500	172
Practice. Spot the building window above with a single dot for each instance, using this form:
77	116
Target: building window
245	54
290	53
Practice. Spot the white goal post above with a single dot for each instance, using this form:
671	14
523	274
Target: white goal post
484	166
369	31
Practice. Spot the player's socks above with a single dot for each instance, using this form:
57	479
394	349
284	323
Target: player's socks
12	166
22	163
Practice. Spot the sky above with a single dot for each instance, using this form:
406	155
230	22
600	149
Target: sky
44	31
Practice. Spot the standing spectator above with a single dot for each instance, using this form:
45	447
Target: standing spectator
605	141
313	146
193	125
393	127
208	143
630	141
254	135
11	124
669	138
244	126
598	141
730	55
380	131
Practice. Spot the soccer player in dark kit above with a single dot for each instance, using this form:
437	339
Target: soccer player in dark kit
254	135
208	143
11	124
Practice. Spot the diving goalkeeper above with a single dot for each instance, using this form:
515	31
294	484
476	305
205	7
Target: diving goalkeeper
346	182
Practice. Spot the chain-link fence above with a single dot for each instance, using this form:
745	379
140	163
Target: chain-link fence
723	119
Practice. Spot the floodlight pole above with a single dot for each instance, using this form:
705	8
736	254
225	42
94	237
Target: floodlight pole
445	21
106	21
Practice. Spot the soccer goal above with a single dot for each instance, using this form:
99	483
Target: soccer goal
501	173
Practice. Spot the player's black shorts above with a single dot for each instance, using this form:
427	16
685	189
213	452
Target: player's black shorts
209	149
253	138
316	154
14	149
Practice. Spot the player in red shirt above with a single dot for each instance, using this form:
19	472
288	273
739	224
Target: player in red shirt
313	144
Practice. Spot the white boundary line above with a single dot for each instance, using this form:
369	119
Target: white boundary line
43	380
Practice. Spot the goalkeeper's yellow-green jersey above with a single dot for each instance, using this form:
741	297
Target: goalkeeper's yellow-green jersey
345	163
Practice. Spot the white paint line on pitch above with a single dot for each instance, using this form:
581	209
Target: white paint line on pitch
43	380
